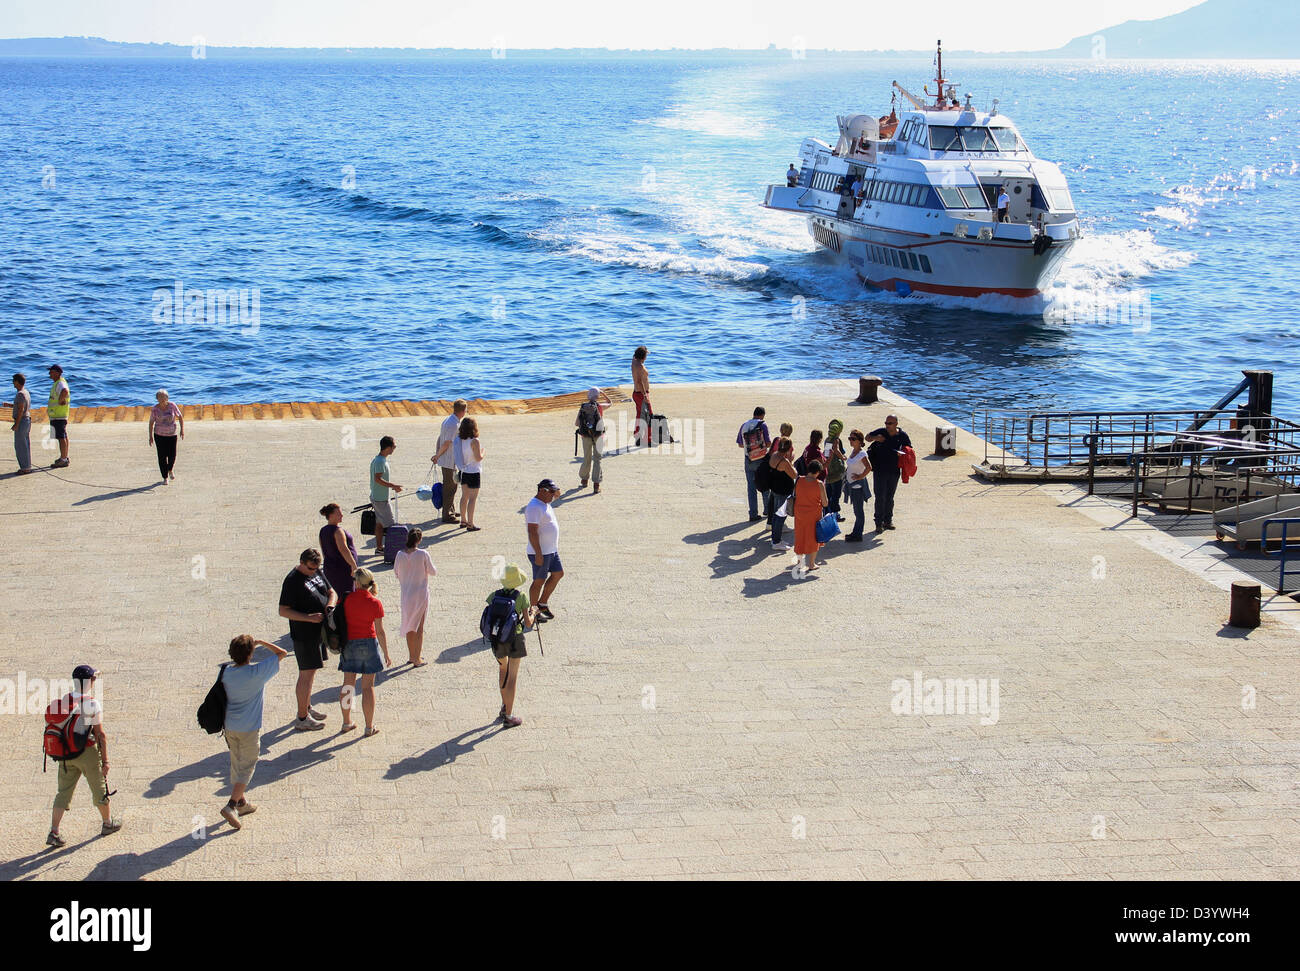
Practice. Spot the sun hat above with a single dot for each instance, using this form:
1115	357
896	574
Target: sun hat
514	578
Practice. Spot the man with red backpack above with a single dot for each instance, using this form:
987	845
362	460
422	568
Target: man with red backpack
756	440
74	737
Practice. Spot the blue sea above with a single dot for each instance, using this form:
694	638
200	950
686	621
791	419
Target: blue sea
430	228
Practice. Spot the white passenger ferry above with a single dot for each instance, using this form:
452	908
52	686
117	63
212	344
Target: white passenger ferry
912	203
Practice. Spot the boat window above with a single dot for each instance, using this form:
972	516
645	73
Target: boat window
906	133
951	197
1060	199
925	263
1008	140
977	139
974	197
945	139
911	258
893	254
917	193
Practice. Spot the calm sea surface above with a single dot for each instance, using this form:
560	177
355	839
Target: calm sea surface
434	228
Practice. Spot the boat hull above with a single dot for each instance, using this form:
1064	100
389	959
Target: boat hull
999	261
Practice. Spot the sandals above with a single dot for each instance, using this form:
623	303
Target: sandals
347	727
370	733
471	529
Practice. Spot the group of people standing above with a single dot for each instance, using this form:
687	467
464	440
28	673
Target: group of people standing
812	484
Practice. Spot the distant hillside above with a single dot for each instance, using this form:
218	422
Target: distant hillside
1214	29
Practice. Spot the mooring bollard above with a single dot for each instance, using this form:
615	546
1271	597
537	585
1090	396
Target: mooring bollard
1245	605
945	440
868	385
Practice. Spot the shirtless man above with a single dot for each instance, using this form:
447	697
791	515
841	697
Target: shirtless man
641	395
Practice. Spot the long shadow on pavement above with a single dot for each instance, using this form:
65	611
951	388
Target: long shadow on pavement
454	655
132	866
443	754
117	495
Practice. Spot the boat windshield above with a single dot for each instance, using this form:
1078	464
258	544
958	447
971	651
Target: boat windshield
975	138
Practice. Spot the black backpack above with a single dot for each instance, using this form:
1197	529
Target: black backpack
589	420
212	713
335	629
500	618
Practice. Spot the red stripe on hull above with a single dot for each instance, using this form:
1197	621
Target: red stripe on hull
947	291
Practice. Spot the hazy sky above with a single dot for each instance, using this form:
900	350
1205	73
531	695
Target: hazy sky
1008	25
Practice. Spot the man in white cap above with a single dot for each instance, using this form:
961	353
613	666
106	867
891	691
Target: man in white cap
591	432
543	546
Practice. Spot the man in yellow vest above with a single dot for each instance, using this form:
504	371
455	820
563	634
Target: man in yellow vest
57	414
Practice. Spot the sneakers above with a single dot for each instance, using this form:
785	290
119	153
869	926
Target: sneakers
511	721
59	464
501	715
852	539
545	611
754	517
245	807
230	813
781	547
111	825
315	715
54	839
308	724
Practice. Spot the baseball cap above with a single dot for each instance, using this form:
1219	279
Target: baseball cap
548	484
84	672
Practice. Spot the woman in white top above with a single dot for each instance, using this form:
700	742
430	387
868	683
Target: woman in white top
859	467
469	459
413	567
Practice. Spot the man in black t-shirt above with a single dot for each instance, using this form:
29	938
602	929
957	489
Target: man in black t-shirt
305	595
883	453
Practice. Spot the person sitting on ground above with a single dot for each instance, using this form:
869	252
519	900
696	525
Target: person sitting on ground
245	683
509	654
364	613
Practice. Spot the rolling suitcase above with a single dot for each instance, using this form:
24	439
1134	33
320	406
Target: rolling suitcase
394	540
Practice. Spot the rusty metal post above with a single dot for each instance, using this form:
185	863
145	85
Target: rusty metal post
1245	605
945	440
868	385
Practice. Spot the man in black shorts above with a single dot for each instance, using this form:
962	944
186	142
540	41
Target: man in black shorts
305	595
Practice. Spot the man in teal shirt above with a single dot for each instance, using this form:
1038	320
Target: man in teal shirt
381	488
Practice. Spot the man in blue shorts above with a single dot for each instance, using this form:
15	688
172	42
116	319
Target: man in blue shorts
543	546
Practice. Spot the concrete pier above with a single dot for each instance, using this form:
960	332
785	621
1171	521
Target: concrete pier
1014	683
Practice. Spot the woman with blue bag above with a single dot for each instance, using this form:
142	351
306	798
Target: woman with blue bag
809	501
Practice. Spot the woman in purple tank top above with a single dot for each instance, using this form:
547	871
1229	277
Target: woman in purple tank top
339	551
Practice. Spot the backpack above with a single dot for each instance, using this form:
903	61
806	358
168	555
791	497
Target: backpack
500	618
62	740
335	628
755	447
589	420
212	713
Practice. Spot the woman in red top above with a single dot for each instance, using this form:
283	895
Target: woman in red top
809	501
365	618
813	453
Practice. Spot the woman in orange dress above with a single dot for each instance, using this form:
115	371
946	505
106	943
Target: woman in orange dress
809	501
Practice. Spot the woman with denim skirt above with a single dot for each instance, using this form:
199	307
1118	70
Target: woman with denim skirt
365	618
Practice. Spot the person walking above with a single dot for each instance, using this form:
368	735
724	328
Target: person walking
886	446
22	424
469	460
445	459
641	395
809	501
381	489
305	595
755	439
543	546
91	763
56	412
509	654
338	549
365	617
833	461
590	424
858	467
413	568
163	419
245	683
783	480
